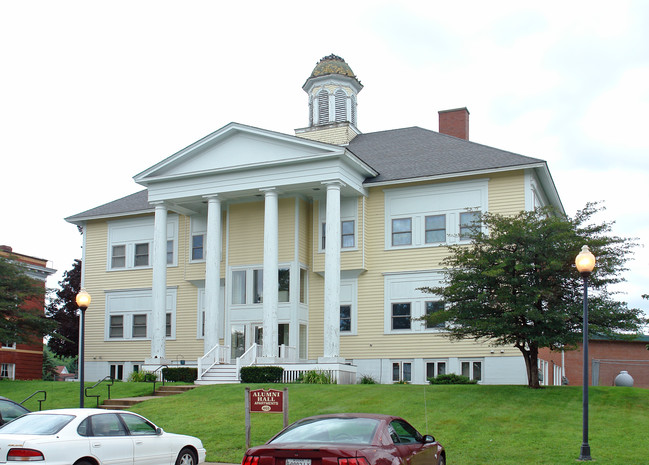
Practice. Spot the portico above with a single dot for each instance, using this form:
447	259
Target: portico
203	180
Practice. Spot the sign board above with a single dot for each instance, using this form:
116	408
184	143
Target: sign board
269	401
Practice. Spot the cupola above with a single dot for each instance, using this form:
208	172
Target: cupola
332	89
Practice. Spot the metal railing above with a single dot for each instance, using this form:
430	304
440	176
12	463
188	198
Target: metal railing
158	373
40	401
96	396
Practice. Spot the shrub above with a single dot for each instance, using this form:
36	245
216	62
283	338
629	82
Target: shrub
315	377
142	377
182	374
261	374
451	378
367	379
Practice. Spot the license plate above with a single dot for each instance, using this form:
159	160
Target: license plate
298	461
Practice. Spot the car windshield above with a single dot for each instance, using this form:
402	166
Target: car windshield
330	430
37	423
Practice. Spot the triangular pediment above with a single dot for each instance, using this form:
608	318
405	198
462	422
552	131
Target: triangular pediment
237	147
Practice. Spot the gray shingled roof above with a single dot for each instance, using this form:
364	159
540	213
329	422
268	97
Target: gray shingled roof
130	204
416	152
396	154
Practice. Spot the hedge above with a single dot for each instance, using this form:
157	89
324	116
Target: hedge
261	374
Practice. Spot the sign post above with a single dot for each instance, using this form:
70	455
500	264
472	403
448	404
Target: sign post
265	401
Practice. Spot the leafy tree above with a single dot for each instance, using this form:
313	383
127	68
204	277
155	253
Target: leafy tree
21	311
517	284
64	339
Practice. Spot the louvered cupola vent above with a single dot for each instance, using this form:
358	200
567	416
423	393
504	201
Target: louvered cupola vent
323	107
341	106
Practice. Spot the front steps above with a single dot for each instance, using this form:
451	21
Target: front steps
220	374
128	402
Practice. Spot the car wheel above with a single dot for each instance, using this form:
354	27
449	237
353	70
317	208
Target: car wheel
83	462
186	457
442	460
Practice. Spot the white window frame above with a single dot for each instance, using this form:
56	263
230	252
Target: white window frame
348	212
9	345
198	227
7	371
449	199
130	302
402	364
404	288
471	361
349	296
435	363
249	294
135	231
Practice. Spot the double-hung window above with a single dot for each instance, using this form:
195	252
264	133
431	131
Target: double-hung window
401	231
347	234
116	329
401	316
139	326
141	255
435	229
469	224
345	318
434	307
198	246
118	256
170	252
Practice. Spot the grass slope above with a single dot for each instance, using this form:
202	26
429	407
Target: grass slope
476	424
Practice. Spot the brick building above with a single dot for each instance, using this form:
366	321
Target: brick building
608	357
25	361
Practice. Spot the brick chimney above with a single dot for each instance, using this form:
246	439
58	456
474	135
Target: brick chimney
455	122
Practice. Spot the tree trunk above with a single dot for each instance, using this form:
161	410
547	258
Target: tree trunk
531	356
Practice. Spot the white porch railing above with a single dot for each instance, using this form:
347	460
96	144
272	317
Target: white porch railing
287	353
215	355
248	358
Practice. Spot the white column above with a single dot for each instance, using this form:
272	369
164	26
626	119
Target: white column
159	290
270	275
213	318
332	274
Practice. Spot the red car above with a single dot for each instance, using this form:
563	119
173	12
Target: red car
348	439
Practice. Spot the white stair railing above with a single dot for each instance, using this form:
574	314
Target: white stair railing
214	356
248	358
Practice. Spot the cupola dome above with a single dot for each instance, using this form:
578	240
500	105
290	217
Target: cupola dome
332	89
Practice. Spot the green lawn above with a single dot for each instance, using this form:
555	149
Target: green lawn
476	424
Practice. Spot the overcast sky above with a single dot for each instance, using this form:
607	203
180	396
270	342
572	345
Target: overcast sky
94	92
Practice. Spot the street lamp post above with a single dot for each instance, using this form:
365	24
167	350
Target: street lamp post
83	301
585	262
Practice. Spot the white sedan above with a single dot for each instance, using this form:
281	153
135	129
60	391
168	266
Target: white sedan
94	437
